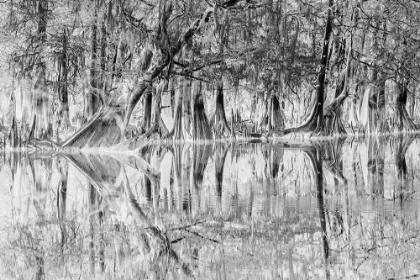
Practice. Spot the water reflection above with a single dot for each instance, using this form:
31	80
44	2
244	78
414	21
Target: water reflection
346	208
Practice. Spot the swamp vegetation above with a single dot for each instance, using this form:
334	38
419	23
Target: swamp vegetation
94	74
341	209
167	139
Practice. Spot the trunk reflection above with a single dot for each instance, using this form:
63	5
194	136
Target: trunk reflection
329	209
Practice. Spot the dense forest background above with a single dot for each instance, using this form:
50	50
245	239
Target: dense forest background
105	73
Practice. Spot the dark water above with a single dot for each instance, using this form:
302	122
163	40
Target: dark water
343	209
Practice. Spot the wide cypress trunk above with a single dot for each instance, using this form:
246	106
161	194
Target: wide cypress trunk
332	113
275	116
315	122
157	123
377	112
402	119
218	122
200	123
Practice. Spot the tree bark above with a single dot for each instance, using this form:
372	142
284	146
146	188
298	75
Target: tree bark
105	129
186	110
43	128
332	113
315	122
92	98
275	116
13	136
103	77
147	110
218	122
63	80
200	124
176	132
403	120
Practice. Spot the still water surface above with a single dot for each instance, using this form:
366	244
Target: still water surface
341	209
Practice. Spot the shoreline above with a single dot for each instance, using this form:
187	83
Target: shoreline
288	139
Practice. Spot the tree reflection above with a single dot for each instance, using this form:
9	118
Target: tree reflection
402	145
189	163
372	159
333	159
314	154
219	155
62	167
88	210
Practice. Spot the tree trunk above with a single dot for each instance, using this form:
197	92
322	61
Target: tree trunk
157	101
147	110
186	110
62	81
105	129
13	136
43	128
157	121
92	98
403	120
177	128
200	124
158	129
332	113
315	122
218	122
275	116
352	113
379	123
103	81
